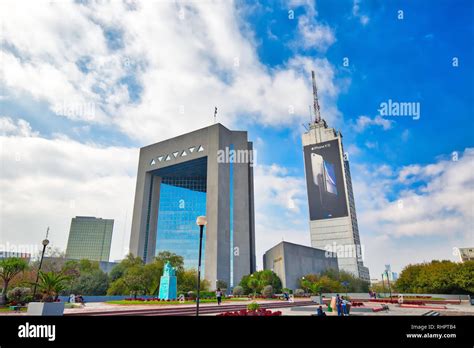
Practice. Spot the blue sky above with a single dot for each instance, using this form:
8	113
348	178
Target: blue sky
156	70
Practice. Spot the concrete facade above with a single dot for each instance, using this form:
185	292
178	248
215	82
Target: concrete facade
292	261
208	143
342	233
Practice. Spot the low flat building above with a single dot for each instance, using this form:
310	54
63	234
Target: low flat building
466	254
292	261
9	254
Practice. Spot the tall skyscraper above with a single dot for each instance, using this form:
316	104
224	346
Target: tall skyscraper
332	212
206	172
90	238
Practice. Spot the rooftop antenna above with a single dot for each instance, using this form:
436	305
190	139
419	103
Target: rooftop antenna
317	113
215	114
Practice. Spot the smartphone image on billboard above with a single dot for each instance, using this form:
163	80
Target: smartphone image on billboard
331	185
324	175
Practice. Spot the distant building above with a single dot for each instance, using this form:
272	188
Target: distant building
466	254
90	238
292	261
107	266
8	254
392	276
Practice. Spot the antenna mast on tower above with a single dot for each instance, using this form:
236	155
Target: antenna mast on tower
317	112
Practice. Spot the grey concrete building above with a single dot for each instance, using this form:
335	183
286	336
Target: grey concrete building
206	172
333	219
293	261
336	228
90	238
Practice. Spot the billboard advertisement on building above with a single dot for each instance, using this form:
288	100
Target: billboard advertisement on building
324	180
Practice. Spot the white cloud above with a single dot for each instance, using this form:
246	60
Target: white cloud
170	65
363	122
280	208
415	223
46	182
364	19
20	127
311	32
315	35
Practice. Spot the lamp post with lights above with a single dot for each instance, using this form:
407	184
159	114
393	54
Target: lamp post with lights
201	222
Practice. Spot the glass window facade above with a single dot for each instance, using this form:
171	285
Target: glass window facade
90	238
182	200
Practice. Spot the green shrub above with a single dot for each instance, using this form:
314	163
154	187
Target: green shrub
191	295
238	291
299	292
19	295
267	291
253	306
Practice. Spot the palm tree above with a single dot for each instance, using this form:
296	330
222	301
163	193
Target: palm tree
9	268
51	284
253	284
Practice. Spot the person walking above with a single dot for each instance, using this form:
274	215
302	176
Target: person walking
344	306
338	305
219	296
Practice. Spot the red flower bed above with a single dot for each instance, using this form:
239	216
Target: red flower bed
356	304
262	312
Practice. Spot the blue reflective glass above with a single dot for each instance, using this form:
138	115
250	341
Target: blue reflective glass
182	200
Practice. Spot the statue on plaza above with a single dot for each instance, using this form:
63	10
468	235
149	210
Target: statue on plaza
168	283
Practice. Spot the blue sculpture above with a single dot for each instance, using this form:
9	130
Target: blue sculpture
168	284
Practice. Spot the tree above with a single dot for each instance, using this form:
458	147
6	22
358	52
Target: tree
152	273
175	260
117	287
267	291
244	283
129	261
53	261
9	268
135	281
187	281
238	290
51	284
132	276
265	277
94	282
438	277
253	285
221	284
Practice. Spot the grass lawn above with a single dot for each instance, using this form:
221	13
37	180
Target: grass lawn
212	300
7	309
123	302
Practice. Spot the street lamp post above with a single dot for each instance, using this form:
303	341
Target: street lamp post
389	287
345	284
45	244
383	286
201	222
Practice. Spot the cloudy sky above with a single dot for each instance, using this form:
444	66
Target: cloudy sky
84	84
